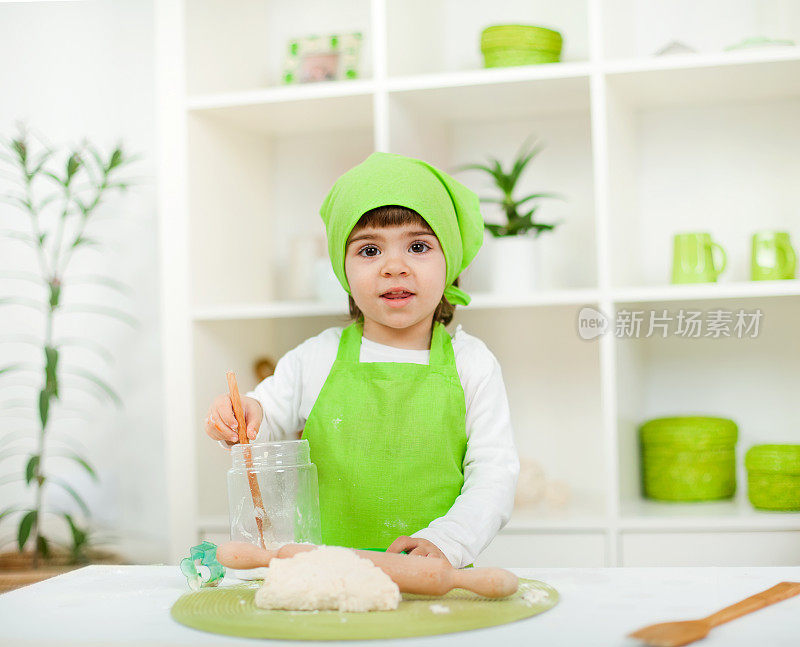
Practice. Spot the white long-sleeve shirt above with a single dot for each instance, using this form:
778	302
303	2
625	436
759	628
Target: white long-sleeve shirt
491	463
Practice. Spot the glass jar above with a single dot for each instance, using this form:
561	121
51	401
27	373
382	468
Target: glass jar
284	477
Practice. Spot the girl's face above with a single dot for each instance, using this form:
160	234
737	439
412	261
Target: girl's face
396	277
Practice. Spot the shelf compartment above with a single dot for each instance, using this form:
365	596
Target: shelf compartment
679	169
242	46
495	120
493	95
429	36
547	368
690	80
752	380
252	197
234	346
640	28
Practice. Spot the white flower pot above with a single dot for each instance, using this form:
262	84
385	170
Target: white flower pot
514	264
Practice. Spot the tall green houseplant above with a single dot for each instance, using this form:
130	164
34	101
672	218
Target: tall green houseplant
519	214
55	197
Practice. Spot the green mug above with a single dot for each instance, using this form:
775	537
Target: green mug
773	257
693	258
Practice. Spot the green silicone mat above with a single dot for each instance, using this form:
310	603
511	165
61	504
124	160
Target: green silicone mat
231	610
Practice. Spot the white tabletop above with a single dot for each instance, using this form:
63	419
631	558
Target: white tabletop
129	605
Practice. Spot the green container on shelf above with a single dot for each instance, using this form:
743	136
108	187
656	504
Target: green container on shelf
508	45
773	477
688	458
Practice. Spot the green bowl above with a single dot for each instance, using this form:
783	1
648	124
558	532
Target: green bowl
507	45
773	477
531	34
688	458
509	58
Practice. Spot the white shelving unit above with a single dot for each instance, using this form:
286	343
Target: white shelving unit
643	146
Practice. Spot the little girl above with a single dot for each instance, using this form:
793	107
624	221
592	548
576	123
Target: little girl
409	427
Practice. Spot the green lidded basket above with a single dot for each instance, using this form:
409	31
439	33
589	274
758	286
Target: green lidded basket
773	477
688	458
507	45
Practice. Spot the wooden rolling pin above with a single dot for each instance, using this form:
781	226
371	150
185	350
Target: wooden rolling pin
411	573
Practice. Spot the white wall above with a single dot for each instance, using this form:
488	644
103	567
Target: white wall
86	69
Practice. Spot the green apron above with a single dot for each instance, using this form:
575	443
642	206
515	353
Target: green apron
388	440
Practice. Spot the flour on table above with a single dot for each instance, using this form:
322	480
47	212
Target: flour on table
532	595
330	577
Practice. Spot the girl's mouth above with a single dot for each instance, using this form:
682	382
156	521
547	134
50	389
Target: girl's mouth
397	299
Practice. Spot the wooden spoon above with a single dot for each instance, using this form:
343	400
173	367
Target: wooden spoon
411	573
673	634
255	491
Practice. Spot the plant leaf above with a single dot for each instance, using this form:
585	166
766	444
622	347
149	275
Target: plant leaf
43	546
18	235
11	478
101	280
22	276
496	230
86	375
9	510
11	368
534	196
83	463
25	528
86	242
23	301
51	364
102	310
71	491
521	162
30	468
73	164
44	407
78	535
89	344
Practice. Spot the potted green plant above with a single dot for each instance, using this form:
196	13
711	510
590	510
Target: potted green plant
514	240
54	197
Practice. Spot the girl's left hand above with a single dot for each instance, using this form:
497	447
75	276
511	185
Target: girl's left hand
415	546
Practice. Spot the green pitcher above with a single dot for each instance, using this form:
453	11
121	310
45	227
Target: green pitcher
773	257
693	258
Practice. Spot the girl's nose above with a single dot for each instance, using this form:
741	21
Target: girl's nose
394	264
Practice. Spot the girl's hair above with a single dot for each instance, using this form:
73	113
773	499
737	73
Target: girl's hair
394	216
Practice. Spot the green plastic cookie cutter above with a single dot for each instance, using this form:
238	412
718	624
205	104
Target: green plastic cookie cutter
204	556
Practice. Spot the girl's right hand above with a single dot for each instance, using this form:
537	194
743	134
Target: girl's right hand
221	423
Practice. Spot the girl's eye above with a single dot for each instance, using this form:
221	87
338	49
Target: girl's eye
419	244
366	248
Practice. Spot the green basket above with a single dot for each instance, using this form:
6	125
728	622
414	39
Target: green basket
773	477
688	458
510	58
529	36
509	45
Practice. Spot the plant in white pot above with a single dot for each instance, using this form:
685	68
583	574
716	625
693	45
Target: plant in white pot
514	266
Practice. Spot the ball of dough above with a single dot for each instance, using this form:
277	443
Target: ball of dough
328	578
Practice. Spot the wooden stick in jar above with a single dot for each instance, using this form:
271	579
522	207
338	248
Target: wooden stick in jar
255	491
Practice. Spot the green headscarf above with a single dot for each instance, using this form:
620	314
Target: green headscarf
451	209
